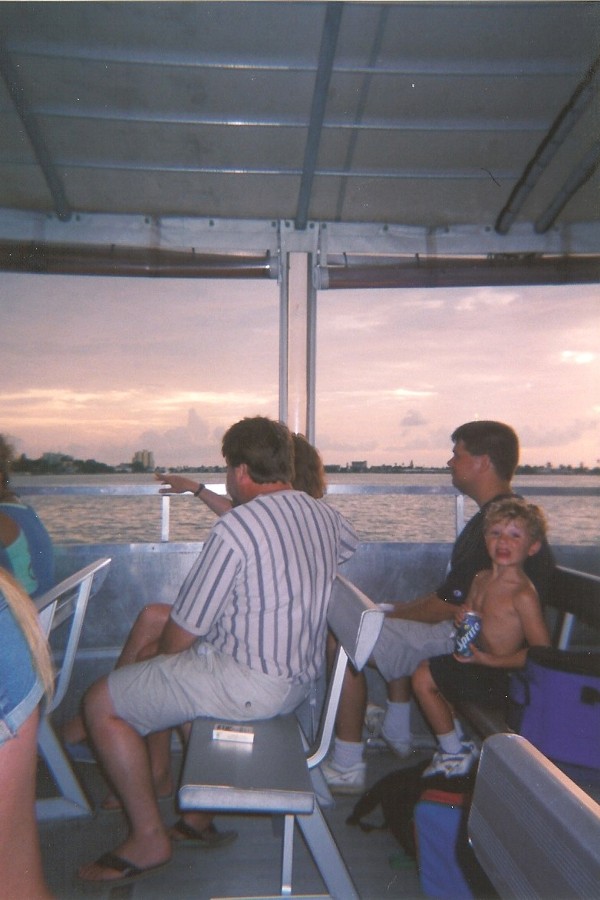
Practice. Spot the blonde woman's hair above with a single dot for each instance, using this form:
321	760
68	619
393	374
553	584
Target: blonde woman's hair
26	615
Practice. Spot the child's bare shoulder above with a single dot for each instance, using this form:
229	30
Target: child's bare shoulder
525	594
482	576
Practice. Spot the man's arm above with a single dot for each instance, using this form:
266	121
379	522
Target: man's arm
428	608
174	638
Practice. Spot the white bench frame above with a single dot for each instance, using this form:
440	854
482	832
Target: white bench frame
67	599
533	830
273	775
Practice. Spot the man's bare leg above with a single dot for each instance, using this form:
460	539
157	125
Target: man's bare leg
124	755
141	643
352	707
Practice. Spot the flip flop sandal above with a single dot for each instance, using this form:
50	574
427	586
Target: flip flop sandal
129	871
208	839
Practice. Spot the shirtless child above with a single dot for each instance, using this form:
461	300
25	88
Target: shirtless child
511	621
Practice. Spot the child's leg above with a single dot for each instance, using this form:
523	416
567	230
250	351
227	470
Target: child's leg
435	707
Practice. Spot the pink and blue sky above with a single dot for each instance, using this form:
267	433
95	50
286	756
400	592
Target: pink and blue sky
102	367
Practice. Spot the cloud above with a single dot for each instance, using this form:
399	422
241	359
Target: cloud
406	392
578	357
413	419
556	436
486	297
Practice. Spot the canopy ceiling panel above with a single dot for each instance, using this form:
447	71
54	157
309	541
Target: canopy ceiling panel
424	115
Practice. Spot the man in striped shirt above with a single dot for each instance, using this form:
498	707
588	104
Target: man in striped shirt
245	639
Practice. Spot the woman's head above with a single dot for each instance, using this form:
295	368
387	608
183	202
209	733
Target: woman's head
6	458
309	472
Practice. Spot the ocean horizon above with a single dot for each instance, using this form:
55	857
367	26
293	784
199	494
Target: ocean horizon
101	518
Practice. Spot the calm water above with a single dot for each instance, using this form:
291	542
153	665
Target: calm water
86	518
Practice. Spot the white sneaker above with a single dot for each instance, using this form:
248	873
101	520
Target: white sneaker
402	748
344	781
453	764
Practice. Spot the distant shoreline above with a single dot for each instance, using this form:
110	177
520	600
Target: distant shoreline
90	467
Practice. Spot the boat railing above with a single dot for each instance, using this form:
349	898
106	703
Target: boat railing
357	488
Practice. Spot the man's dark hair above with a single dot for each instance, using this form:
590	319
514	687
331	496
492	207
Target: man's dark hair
493	439
264	445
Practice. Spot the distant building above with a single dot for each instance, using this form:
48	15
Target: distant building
143	459
358	465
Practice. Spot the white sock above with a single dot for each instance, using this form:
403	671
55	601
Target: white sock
450	743
396	723
347	753
458	728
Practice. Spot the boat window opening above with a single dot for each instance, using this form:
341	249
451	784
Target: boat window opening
399	370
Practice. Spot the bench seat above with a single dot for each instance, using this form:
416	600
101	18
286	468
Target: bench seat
269	774
278	773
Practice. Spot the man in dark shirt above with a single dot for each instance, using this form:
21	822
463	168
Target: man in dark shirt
483	462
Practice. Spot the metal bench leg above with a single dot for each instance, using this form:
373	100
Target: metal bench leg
72	801
326	855
287	855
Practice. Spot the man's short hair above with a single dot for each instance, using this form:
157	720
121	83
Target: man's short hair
493	439
265	446
511	508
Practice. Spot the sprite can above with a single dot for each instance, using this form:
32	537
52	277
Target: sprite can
466	634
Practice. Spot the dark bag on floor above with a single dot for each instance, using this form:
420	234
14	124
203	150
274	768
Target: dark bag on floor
397	795
555	704
410	801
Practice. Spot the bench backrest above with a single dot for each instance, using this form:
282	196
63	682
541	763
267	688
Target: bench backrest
576	596
67	599
355	622
533	830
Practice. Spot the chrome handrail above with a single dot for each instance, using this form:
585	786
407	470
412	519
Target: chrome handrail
152	489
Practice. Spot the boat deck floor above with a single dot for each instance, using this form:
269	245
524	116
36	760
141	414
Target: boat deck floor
248	866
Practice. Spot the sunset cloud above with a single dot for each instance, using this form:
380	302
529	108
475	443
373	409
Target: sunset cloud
123	364
579	358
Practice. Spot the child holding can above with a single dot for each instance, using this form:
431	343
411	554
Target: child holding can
511	620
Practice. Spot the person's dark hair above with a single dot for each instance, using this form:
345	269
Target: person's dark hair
309	472
493	439
265	446
6	458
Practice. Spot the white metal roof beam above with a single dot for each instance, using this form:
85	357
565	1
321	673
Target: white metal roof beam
563	124
331	28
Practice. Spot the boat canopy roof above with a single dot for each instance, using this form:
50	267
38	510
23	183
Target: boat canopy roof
431	139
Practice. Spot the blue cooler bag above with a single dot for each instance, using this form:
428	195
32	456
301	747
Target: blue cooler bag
445	859
554	702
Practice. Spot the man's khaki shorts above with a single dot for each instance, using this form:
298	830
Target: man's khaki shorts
403	644
172	689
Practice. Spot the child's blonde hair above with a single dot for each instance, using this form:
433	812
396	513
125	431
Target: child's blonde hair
26	615
514	508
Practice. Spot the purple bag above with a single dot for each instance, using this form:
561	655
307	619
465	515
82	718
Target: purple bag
555	703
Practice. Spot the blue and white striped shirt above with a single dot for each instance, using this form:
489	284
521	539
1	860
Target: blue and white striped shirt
259	589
